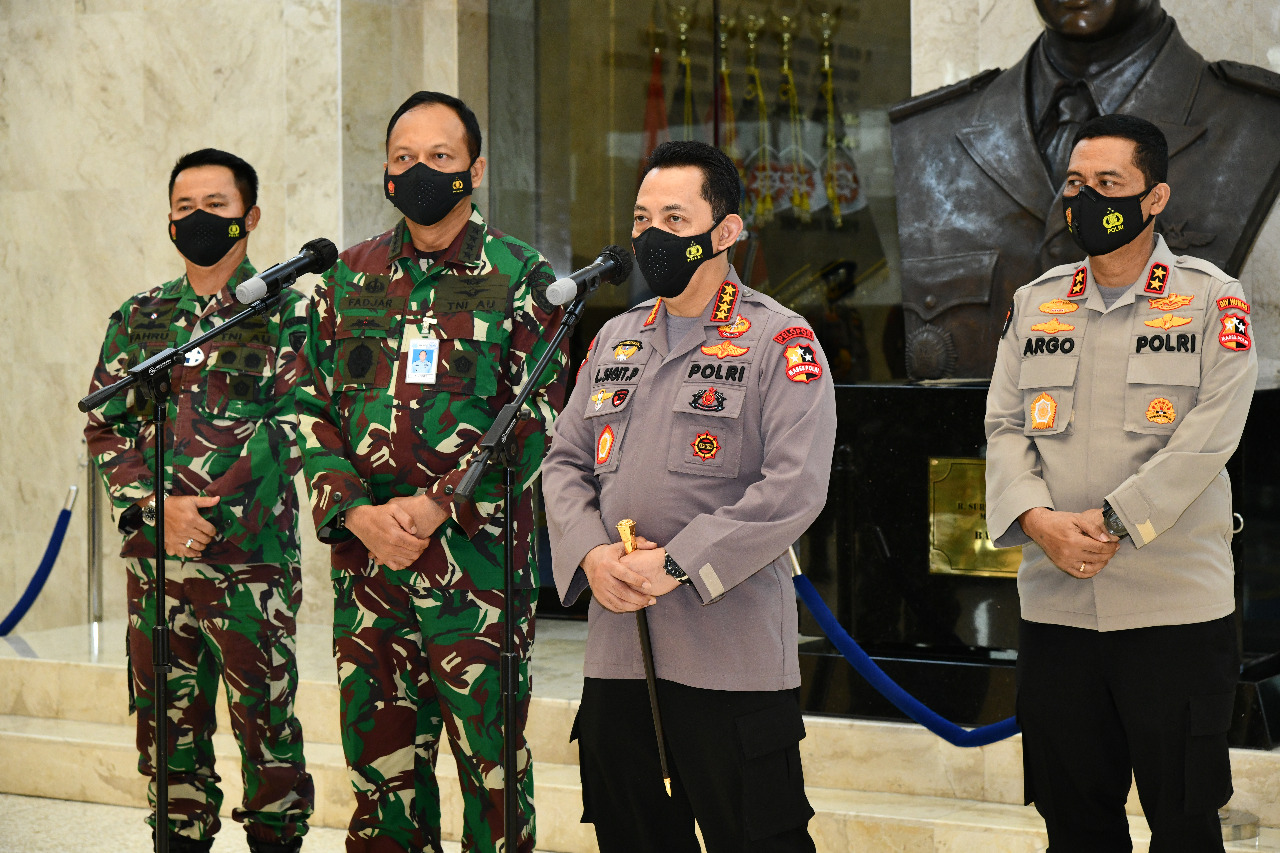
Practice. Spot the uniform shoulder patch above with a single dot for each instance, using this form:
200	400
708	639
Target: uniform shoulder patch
1247	76
1227	302
726	302
1157	279
792	332
1079	282
1235	332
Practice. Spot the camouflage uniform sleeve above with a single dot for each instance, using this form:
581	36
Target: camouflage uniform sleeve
113	434
249	487
534	323
332	480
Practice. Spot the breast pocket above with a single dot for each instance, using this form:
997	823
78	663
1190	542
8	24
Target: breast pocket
1161	390
364	358
239	380
1048	394
706	435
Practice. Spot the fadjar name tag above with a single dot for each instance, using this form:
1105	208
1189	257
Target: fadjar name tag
424	355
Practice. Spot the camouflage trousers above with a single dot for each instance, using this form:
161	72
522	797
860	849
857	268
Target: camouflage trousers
237	624
413	661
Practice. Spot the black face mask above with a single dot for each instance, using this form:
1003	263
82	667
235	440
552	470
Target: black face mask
668	262
205	238
1101	224
424	195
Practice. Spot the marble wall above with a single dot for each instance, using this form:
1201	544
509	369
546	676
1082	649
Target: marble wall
952	40
98	98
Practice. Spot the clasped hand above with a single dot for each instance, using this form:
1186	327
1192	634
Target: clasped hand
1077	542
397	532
625	583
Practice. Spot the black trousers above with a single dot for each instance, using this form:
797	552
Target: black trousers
734	760
1097	706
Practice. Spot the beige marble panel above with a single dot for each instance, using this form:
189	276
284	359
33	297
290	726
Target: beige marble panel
1219	30
312	77
949	840
944	49
1006	30
1266	35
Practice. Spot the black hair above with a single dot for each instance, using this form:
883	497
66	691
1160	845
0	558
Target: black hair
246	178
721	186
469	121
1151	149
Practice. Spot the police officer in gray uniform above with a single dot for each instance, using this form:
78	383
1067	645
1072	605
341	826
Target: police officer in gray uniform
708	417
1121	388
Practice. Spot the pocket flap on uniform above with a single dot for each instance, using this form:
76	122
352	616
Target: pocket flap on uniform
1164	369
768	730
961	279
723	401
1210	714
1047	372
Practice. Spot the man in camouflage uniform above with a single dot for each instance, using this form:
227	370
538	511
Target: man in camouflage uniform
417	338
230	515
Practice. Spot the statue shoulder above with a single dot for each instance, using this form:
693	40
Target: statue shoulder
945	95
1245	76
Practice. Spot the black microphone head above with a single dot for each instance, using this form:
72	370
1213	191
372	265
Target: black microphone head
622	262
324	252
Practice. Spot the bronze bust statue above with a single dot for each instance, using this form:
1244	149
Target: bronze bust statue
979	167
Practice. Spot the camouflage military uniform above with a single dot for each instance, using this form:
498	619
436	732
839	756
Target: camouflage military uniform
230	432
418	649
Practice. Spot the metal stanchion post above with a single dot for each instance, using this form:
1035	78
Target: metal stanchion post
93	509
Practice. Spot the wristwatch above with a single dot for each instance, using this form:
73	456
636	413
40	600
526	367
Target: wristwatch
1112	521
149	512
672	568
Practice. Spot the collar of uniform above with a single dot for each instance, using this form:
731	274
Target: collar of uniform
1159	255
1108	88
718	314
197	305
466	250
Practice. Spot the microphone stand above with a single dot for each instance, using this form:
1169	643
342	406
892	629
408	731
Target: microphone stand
497	448
154	374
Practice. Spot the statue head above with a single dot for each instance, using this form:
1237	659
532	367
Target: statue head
1088	20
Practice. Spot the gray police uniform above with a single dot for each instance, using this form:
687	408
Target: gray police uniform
720	450
1140	404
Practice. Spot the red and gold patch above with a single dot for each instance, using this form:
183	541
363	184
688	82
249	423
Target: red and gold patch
623	350
705	446
604	445
1167	322
725	349
1053	326
599	397
1235	333
726	302
1044	411
1157	279
1161	411
620	397
737	329
653	315
1171	302
1079	282
1058	306
791	333
802	363
1233	302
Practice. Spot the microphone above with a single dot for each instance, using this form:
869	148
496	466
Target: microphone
612	267
316	256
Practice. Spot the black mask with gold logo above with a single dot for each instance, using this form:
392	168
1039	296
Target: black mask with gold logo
205	238
424	195
1101	224
668	262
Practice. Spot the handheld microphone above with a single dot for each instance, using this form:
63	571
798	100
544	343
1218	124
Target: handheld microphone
316	256
612	267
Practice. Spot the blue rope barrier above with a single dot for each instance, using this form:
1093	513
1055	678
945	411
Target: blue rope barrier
42	572
888	688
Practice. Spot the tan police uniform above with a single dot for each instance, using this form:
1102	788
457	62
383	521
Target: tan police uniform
720	450
1140	404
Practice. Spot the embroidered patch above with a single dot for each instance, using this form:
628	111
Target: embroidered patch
599	397
1157	279
604	445
705	446
793	332
1058	306
1079	282
709	400
737	329
625	349
653	315
1044	411
1161	411
1233	302
802	363
1235	333
1167	322
726	301
619	397
1052	327
1171	302
725	349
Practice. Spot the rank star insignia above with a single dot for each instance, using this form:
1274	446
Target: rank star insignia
1235	333
726	301
802	363
1161	411
599	397
1052	327
1157	279
1172	302
705	446
1044	411
1167	322
737	329
604	445
625	349
1058	306
1079	282
709	400
725	349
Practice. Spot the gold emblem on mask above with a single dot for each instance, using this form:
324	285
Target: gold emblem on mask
1112	221
234	230
457	186
693	253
